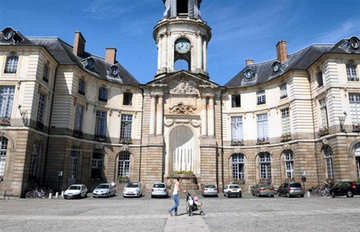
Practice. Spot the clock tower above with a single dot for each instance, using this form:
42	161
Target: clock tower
182	37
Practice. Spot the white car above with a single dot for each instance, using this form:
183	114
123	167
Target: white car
76	191
232	190
132	189
104	190
159	190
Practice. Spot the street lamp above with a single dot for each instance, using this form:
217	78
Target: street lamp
342	121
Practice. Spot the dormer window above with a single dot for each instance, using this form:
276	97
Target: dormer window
354	42
276	66
248	73
114	71
89	63
8	34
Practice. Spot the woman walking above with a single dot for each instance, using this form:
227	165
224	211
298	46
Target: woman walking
176	191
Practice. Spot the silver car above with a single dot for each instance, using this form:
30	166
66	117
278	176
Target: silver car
76	191
291	189
132	189
104	190
209	190
159	190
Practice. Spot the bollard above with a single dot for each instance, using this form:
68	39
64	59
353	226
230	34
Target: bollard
308	193
50	195
56	195
62	193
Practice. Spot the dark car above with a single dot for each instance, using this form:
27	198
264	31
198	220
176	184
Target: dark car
346	188
290	189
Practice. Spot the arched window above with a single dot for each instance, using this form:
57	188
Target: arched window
265	165
357	158
329	161
238	166
3	148
97	163
124	164
33	160
74	163
289	164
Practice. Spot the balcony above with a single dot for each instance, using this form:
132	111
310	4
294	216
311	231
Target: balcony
261	141
323	131
125	141
4	121
285	137
101	138
237	143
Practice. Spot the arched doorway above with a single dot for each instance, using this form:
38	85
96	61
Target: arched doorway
182	149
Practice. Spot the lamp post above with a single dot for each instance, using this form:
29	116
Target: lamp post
342	121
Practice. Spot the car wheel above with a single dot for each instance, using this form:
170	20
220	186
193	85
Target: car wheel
302	195
287	194
333	194
349	194
65	197
279	194
240	195
85	195
202	213
272	195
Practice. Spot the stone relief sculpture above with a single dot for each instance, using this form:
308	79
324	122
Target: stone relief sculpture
184	88
181	108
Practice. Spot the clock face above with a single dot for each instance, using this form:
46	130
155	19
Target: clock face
182	46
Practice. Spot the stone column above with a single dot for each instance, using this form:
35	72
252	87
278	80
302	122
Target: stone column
159	47
199	63
203	116
211	120
204	56
164	51
159	115
152	115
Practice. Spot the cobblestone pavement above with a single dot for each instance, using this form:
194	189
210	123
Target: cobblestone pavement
146	214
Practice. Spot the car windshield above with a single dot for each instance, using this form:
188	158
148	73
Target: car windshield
132	185
74	187
103	186
263	185
296	185
159	185
210	186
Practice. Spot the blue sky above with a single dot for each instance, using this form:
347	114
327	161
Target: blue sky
241	29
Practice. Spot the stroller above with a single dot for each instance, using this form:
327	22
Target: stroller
192	205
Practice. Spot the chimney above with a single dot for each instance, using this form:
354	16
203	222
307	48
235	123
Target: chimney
249	62
281	51
110	55
79	44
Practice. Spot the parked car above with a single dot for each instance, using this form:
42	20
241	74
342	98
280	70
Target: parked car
346	188
232	190
104	190
76	191
159	189
262	190
290	189
209	190
132	189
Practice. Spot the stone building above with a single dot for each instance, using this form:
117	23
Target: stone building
68	116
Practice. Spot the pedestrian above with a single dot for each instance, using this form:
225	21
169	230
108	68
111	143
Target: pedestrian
176	191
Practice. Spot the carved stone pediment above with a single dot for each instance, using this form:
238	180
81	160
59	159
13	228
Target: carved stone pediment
181	108
184	87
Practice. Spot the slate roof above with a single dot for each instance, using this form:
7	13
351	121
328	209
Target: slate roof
63	53
301	60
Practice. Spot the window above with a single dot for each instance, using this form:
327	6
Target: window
127	101
357	159
329	161
265	165
289	164
262	126
238	166
74	163
97	164
46	73
283	91
81	88
11	64
285	121
33	160
235	100
100	130
236	129
103	94
319	79
126	125
261	99
78	120
6	102
323	113
124	164
3	148
41	111
351	73
354	99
